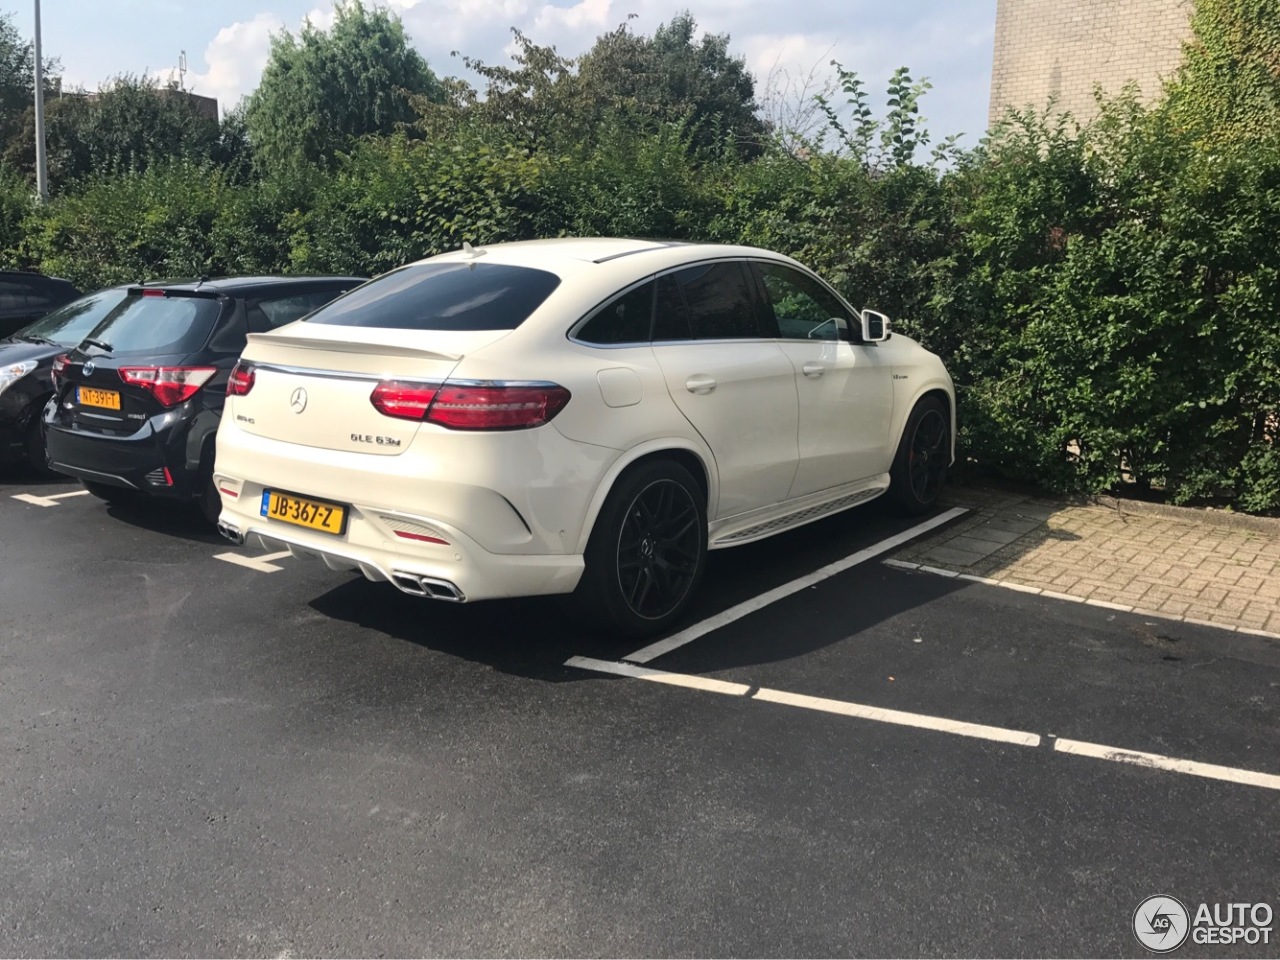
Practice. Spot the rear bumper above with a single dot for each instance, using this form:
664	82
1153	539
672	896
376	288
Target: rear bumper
458	572
493	515
140	461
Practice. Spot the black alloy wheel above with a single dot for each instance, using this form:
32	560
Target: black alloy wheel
928	460
658	549
919	470
647	550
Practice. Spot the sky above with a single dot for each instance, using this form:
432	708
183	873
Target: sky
784	42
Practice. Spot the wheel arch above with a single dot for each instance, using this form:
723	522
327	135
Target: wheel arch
698	462
940	390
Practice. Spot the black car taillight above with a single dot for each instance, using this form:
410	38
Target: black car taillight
169	385
59	365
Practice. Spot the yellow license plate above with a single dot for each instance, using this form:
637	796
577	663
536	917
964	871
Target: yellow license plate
304	512
108	399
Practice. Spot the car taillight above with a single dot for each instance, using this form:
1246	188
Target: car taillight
405	401
59	365
242	377
169	385
472	406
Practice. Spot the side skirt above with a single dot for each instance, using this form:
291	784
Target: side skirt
775	518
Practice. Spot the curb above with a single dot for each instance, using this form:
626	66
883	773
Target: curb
1208	515
1213	516
1087	601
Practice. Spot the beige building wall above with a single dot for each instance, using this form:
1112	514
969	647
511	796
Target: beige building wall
1065	47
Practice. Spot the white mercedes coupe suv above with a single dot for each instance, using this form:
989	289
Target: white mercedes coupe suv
585	416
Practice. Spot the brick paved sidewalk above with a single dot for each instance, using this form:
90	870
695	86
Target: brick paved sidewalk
1177	564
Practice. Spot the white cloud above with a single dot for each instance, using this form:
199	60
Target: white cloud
234	61
592	14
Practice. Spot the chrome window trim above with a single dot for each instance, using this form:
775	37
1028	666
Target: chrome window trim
316	372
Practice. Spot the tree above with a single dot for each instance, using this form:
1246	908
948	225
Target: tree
882	143
671	77
533	103
131	123
321	89
1229	85
625	81
17	78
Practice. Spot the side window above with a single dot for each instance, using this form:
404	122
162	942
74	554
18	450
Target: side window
13	295
41	296
718	301
804	309
670	316
625	319
268	314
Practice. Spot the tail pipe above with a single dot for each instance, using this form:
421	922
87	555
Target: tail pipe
231	533
428	587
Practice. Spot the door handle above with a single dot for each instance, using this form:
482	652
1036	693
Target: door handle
700	383
814	370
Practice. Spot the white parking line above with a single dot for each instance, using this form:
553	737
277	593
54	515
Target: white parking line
1088	601
48	501
922	721
859	710
262	564
655	650
1252	778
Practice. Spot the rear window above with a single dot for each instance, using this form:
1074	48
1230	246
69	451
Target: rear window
443	296
70	324
158	325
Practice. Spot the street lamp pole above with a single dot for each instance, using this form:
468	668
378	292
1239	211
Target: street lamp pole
42	174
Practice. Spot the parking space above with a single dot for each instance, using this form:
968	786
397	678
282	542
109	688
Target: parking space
257	755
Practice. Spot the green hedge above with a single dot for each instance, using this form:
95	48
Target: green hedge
1107	300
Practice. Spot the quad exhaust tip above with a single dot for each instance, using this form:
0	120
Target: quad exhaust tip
429	587
231	533
411	583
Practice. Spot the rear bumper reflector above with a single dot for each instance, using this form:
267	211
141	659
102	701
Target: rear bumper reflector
420	536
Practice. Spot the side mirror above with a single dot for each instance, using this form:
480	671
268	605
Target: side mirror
875	326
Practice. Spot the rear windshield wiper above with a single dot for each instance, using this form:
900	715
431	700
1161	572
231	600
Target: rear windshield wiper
100	344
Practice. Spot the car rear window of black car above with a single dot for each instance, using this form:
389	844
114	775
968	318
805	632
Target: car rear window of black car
157	325
443	296
70	324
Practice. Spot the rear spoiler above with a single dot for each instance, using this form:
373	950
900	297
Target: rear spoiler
139	291
351	346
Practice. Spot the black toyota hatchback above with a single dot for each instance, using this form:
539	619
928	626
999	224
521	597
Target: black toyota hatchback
137	403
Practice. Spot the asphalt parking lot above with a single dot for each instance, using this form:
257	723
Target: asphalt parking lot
209	757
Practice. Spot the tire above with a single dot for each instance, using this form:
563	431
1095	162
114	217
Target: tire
36	455
208	500
112	495
651	533
919	470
